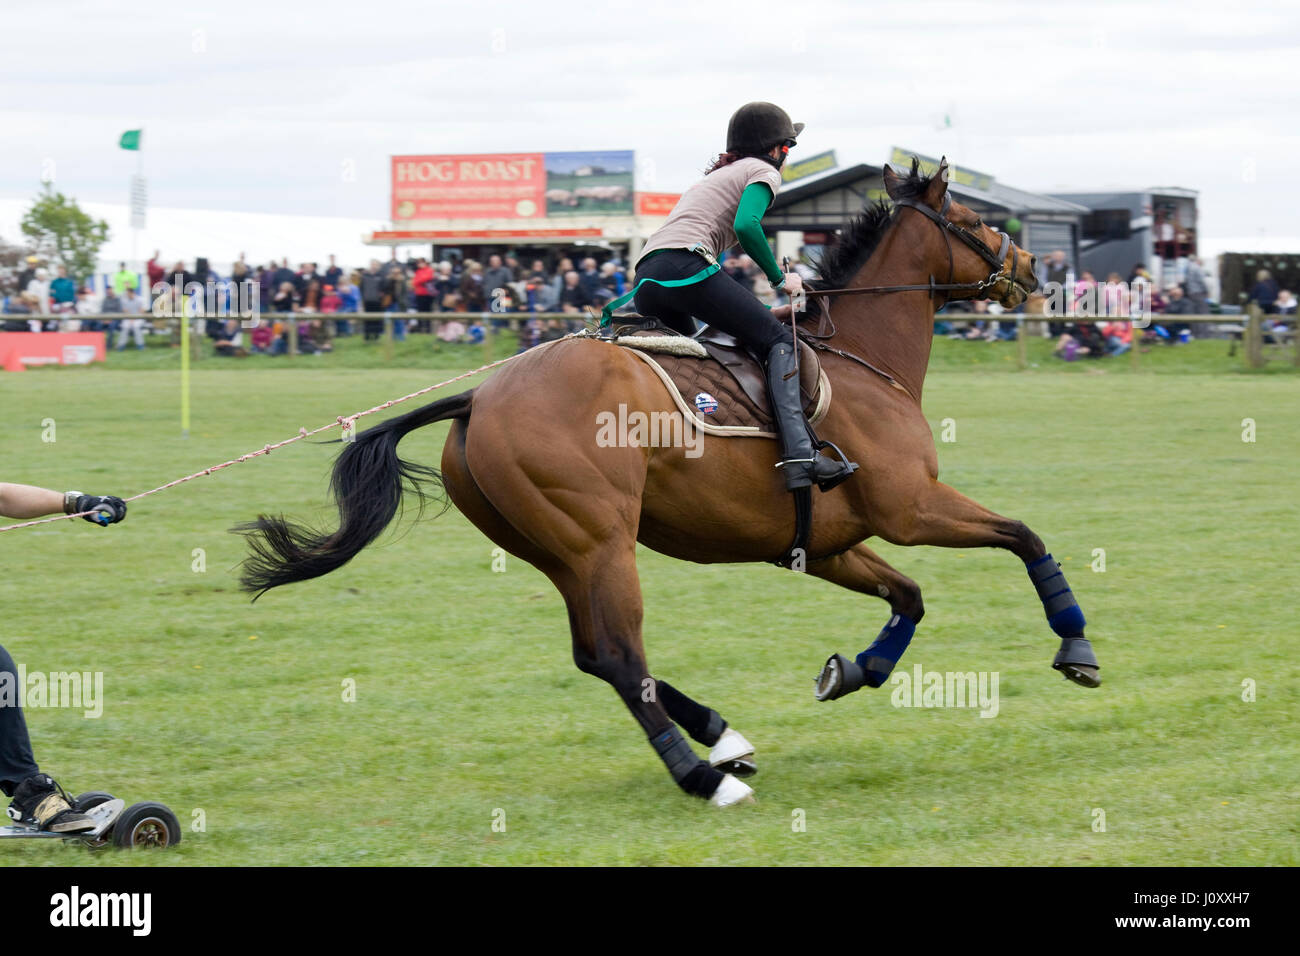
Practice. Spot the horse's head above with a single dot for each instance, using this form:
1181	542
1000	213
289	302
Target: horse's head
983	263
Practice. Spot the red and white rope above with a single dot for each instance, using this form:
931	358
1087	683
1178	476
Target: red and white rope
346	421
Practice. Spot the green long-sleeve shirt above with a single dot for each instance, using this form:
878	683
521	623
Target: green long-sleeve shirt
749	228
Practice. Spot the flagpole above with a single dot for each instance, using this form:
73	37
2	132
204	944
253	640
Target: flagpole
185	365
135	233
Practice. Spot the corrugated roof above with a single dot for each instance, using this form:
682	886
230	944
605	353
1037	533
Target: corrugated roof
789	195
1008	197
1020	201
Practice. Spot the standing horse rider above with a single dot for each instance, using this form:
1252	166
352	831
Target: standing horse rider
678	275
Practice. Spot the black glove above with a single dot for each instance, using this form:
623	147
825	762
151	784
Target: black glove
105	511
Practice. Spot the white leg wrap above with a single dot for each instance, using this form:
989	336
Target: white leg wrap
731	746
730	792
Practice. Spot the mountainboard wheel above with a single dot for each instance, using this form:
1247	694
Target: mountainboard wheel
91	798
146	825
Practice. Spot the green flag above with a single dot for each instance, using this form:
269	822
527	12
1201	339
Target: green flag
131	139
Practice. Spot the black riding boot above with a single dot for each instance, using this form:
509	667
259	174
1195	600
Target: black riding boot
799	460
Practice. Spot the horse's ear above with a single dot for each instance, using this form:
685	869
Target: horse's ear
938	185
892	181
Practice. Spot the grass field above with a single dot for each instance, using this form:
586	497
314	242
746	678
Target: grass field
467	702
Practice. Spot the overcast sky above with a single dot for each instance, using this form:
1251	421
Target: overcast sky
295	108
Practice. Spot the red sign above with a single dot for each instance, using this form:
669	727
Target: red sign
490	186
18	349
656	204
410	235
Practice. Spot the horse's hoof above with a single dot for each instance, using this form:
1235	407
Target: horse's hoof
839	676
1077	661
733	754
1082	674
731	792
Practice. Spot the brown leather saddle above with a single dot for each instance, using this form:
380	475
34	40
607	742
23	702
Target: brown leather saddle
727	386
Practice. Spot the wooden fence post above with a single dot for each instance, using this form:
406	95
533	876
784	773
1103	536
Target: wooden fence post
1254	339
1022	346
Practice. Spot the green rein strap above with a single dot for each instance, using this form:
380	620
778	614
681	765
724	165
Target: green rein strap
607	313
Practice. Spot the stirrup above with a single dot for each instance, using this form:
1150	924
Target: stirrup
801	475
849	466
807	474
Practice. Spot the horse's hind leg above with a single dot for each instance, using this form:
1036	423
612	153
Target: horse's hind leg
861	569
604	601
468	497
942	516
728	750
584	539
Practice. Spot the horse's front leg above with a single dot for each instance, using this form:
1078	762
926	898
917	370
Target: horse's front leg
944	517
861	569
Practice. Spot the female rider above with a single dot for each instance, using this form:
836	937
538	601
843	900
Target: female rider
677	274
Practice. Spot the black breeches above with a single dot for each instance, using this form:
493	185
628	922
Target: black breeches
719	301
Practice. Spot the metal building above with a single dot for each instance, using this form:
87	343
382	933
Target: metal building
818	208
1154	226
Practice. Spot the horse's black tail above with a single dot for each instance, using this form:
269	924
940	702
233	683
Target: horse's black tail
367	483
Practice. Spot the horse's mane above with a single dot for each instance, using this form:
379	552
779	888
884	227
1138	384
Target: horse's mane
861	234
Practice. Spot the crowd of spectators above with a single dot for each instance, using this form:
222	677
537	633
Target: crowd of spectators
1098	315
448	299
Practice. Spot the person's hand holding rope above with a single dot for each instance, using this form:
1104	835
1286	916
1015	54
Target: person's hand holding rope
103	511
29	501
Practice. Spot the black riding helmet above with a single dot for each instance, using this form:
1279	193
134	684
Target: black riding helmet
757	127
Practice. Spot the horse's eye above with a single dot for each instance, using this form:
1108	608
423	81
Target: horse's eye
979	222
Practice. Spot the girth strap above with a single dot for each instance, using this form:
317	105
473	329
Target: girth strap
802	529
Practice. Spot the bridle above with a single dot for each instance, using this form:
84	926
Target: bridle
995	260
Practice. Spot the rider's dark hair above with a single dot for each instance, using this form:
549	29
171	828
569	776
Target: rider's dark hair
723	159
727	158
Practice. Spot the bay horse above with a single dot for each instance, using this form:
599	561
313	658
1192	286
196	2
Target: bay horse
522	463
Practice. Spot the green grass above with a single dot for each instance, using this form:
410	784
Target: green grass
468	702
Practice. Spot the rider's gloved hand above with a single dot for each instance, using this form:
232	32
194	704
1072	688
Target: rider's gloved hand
791	284
105	510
